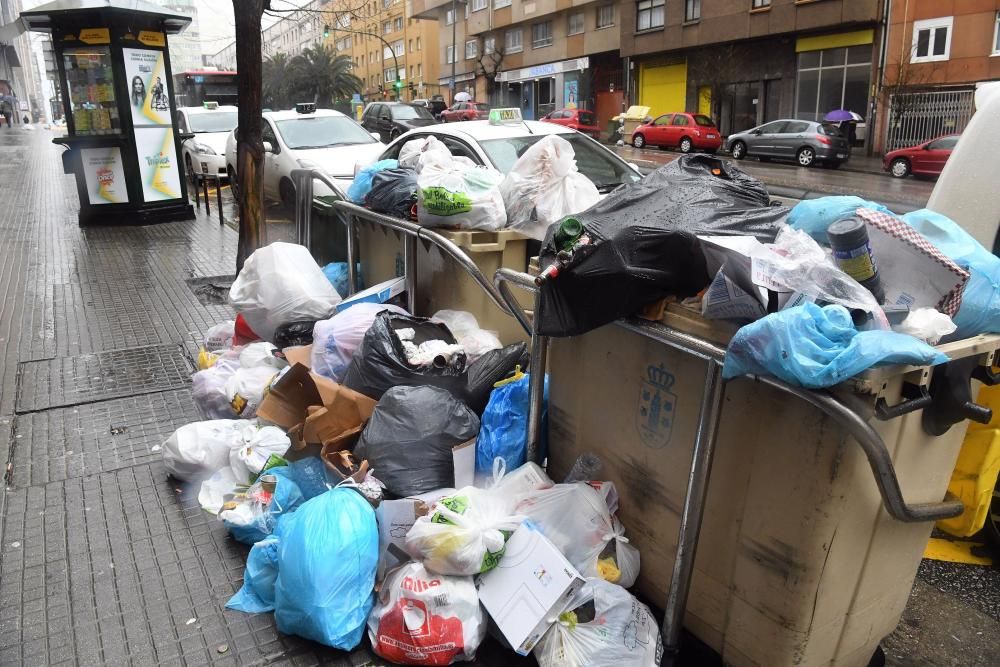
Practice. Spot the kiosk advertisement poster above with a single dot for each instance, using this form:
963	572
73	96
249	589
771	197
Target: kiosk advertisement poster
104	175
157	163
148	87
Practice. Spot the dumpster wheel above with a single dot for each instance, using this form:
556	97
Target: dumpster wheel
991	527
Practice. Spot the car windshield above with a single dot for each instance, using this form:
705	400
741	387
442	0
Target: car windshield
605	170
830	130
482	106
214	121
704	121
322	132
408	112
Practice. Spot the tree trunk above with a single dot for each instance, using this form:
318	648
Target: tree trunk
250	145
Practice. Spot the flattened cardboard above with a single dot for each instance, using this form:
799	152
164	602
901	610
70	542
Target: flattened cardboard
286	402
299	354
395	518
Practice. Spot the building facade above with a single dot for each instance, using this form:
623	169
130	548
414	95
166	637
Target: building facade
937	53
291	34
18	86
185	48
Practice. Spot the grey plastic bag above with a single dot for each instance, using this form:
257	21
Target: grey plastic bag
409	438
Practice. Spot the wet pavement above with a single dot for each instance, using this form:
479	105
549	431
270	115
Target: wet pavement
103	559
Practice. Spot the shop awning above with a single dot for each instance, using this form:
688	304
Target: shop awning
39	19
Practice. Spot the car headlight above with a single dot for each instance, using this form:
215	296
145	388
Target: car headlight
202	148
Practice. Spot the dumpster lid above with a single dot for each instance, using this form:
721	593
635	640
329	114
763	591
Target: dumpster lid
39	19
635	112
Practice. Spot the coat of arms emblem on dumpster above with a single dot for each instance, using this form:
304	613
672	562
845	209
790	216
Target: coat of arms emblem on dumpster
655	418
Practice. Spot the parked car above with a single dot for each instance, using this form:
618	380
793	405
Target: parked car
391	119
460	111
211	125
806	142
309	138
686	131
435	105
580	120
926	159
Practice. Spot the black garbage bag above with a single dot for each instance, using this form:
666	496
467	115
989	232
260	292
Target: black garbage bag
394	192
489	369
294	333
409	438
380	362
644	242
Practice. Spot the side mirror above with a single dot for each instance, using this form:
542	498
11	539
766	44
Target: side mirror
376	136
757	132
268	148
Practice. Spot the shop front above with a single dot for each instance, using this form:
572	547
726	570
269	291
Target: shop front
541	89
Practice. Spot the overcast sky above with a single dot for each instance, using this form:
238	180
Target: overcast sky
216	18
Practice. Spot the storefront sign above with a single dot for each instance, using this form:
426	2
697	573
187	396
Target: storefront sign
544	70
148	87
95	35
105	175
150	38
157	163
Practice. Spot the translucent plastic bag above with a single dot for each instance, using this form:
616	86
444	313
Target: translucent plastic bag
426	619
544	186
576	520
927	325
197	450
336	273
605	626
256	355
220	337
504	429
257	593
213	491
257	514
452	194
208	386
362	183
463	325
464	534
418	152
254	446
326	569
281	283
815	347
246	387
337	339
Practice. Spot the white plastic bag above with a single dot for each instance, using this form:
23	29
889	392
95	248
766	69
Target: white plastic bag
927	324
281	283
220	337
200	448
576	519
417	152
604	626
421	618
208	386
464	326
254	446
213	491
544	186
337	339
246	387
453	194
261	354
464	533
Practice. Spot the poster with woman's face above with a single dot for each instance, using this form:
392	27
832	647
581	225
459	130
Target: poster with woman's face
148	87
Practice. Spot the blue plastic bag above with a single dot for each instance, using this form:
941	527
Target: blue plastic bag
309	474
336	273
503	430
814	215
362	184
326	569
818	347
287	497
257	593
980	310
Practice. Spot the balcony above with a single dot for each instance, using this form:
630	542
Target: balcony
427	9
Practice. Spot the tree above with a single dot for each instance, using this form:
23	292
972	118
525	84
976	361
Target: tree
322	75
489	66
276	82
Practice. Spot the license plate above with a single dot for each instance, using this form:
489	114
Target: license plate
711	136
841	155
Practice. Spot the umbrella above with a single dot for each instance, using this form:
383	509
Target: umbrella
463	97
841	115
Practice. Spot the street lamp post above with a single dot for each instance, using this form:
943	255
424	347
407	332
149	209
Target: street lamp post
454	46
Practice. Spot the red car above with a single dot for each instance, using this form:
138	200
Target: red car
926	159
465	111
577	119
686	131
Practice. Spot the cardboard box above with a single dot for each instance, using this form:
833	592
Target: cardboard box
299	354
464	458
375	294
531	586
395	518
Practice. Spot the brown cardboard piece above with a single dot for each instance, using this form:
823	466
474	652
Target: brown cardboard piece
299	354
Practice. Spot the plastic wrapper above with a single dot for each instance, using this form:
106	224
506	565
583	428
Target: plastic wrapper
409	439
246	387
544	186
393	192
220	337
363	180
815	347
208	386
453	194
253	447
464	534
213	491
926	324
327	555
256	514
257	593
421	618
644	242
464	326
605	626
293	334
337	339
281	283
813	216
575	518
199	449
258	355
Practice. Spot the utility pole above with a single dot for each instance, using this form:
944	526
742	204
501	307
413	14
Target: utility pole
454	47
250	144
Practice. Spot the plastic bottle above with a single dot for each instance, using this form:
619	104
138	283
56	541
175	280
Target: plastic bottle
853	254
586	468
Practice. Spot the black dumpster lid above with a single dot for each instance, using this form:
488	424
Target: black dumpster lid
40	18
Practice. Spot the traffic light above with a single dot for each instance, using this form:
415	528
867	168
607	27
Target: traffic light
326	32
399	84
411	88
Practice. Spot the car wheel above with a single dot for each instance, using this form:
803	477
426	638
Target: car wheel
900	167
189	166
233	180
686	145
806	156
286	190
739	150
638	140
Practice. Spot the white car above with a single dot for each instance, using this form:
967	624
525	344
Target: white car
308	138
499	145
211	125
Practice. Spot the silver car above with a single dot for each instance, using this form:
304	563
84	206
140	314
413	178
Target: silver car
805	142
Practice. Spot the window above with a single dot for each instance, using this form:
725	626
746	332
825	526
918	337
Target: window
541	34
931	40
390	74
411	71
397	47
386	27
703	121
649	14
829	79
479	4
411	46
397	24
943	144
795	127
605	170
500	4
386	52
663	120
420	70
344	21
759	4
418	43
776	127
680	120
449	17
996	35
692	10
605	16
489	45
449	54
575	24
471	49
512	41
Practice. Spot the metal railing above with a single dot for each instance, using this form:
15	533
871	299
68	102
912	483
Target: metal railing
916	117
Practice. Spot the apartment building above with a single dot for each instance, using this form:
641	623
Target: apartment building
291	34
18	87
384	40
538	55
937	53
746	62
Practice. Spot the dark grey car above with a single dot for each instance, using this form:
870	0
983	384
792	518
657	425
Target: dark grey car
805	142
391	119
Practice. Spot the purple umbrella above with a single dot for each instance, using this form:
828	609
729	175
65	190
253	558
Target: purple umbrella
841	115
